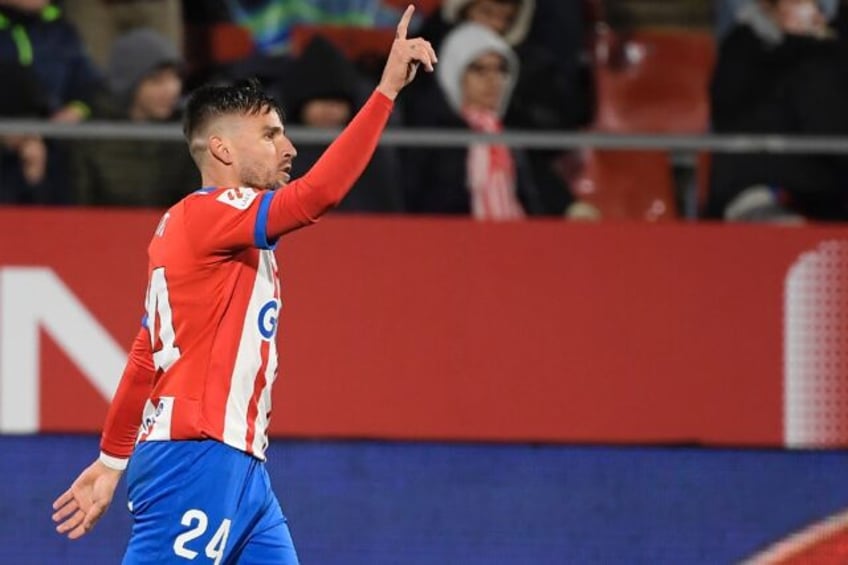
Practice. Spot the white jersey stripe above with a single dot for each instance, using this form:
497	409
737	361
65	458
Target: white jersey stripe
249	358
260	438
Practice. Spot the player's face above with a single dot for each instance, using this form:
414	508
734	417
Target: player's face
264	154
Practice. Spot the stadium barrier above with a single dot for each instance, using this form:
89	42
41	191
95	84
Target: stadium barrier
508	335
440	329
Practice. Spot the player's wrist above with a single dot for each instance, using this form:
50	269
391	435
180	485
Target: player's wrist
113	463
387	91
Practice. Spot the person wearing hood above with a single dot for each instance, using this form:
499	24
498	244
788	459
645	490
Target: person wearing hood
145	87
324	90
552	91
780	70
476	76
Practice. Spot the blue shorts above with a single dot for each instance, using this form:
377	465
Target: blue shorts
203	502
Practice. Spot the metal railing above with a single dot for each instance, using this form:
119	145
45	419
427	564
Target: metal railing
682	149
736	143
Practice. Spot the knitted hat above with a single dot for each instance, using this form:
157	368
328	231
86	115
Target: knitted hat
134	56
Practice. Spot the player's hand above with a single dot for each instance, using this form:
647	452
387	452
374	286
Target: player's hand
82	505
404	58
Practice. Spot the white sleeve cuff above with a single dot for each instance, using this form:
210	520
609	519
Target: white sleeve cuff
115	463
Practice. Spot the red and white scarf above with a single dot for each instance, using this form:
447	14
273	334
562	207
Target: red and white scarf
491	172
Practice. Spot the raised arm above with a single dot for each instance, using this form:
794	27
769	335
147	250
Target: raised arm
235	212
329	180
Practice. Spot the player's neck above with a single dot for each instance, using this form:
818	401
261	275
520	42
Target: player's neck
219	178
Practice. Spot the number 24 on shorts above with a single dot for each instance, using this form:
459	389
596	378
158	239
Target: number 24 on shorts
198	522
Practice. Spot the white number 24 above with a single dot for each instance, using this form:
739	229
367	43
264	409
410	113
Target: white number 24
215	547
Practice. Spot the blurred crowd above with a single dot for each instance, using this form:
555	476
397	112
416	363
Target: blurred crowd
503	65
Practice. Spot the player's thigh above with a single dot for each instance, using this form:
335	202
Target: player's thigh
270	542
198	534
188	503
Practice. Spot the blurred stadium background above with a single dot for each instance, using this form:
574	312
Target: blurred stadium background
640	373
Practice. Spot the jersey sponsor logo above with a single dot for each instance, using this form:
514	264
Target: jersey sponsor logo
268	319
238	198
156	420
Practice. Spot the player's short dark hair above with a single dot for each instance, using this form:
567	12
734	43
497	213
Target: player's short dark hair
210	101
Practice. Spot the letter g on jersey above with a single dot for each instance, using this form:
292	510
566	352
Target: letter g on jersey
268	319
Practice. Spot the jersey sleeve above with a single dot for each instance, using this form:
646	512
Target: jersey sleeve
124	416
328	181
228	220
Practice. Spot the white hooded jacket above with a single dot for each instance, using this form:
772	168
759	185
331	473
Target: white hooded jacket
463	46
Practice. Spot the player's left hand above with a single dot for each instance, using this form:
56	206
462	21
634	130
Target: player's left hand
82	505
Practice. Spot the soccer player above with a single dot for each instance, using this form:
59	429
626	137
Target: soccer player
194	401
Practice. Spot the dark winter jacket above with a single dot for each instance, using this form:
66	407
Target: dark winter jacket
436	178
132	172
769	82
45	42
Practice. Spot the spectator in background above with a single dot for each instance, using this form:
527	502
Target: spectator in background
780	70
145	86
508	18
101	22
36	35
549	93
726	11
270	22
37	41
476	74
23	158
322	91
544	96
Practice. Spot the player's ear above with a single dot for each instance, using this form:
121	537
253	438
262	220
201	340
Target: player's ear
220	149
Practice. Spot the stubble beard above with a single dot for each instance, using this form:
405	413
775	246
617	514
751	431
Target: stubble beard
264	180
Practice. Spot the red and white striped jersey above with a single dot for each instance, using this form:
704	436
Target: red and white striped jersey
205	364
212	303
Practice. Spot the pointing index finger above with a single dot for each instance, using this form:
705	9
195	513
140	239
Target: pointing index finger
404	22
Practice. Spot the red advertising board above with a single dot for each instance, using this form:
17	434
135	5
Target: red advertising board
404	328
